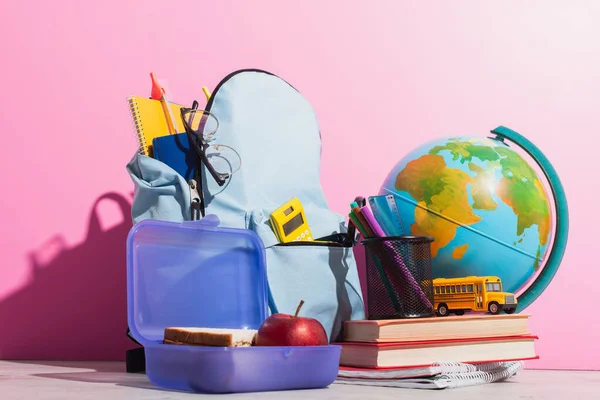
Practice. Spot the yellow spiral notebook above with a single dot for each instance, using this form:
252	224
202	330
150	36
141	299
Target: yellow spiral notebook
150	121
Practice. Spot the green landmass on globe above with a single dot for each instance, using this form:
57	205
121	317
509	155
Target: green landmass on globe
456	179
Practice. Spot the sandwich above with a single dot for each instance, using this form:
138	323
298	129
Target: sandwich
210	336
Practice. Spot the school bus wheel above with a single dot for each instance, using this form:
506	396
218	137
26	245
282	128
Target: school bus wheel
443	309
510	310
494	308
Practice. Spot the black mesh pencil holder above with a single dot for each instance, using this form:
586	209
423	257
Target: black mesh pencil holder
399	277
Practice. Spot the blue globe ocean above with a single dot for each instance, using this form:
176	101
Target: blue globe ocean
483	204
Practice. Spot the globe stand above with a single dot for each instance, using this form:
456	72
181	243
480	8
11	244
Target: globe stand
559	245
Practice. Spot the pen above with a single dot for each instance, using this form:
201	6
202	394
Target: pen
357	223
356	209
372	221
206	92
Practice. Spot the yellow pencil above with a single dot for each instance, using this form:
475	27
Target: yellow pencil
206	92
159	93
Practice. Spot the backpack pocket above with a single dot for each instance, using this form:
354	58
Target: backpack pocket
159	191
322	273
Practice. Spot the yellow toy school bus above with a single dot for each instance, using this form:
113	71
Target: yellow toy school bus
472	293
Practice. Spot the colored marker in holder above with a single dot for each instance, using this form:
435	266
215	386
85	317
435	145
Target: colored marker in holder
371	229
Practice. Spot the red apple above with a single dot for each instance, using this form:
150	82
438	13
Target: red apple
291	330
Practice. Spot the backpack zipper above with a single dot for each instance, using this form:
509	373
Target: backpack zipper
195	201
227	77
335	240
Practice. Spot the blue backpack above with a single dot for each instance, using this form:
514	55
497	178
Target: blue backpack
274	131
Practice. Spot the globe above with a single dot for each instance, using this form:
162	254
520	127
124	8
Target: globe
484	205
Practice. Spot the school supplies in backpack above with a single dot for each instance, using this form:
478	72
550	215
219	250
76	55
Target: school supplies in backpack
150	121
289	222
258	112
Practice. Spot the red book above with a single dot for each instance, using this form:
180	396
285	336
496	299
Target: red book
436	328
425	353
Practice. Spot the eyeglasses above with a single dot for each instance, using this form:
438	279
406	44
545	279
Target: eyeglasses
201	127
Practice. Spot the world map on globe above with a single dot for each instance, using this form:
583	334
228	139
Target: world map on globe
484	205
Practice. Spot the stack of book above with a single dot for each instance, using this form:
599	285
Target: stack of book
448	351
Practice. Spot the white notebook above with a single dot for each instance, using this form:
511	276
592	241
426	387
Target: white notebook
436	376
405	372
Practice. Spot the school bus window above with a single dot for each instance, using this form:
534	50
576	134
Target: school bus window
464	288
492	287
443	288
470	288
437	290
453	288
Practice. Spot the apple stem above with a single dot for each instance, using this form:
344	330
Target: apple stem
299	307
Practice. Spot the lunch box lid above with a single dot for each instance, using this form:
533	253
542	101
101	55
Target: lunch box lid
193	274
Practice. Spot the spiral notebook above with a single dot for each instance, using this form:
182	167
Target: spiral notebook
405	372
150	121
437	376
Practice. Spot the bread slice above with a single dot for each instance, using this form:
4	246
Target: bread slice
210	336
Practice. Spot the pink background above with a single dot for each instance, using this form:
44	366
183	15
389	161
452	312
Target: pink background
382	78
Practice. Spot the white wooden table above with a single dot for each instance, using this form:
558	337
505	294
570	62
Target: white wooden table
107	381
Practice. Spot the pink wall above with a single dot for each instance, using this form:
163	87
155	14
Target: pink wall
394	74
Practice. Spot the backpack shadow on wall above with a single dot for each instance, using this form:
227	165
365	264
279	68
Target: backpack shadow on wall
74	306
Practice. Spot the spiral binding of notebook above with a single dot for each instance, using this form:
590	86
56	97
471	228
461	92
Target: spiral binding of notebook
137	125
490	366
481	376
454	375
150	121
452	368
433	369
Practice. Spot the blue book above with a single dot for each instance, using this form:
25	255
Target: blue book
175	151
